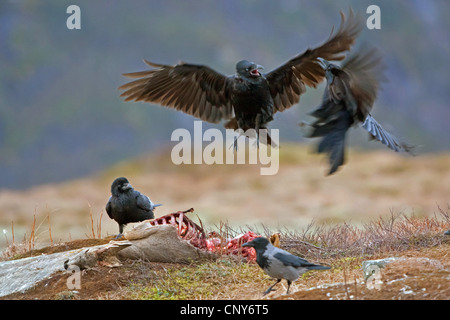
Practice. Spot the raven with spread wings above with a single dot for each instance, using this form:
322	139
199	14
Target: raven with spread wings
348	98
248	99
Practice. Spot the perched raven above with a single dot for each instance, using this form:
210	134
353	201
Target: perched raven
128	205
248	99
348	99
280	264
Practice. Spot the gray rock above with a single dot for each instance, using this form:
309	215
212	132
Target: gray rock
21	275
370	267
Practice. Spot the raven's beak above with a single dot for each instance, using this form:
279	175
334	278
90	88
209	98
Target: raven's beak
247	244
255	71
157	205
323	63
127	186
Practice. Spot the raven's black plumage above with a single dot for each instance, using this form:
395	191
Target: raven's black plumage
247	99
348	99
278	263
128	205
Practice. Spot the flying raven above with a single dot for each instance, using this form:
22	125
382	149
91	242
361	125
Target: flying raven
248	99
347	100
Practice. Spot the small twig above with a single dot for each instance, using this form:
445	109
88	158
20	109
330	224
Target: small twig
92	220
12	230
99	226
33	226
49	229
201	225
303	242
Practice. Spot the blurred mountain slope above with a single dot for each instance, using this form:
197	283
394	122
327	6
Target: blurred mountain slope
61	115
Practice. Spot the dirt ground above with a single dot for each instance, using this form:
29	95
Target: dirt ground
421	274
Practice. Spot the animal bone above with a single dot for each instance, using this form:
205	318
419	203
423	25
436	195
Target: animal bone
195	235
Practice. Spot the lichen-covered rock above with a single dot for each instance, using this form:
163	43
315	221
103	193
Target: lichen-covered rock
369	267
22	274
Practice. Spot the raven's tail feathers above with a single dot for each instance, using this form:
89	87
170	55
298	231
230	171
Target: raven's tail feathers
333	128
334	144
317	267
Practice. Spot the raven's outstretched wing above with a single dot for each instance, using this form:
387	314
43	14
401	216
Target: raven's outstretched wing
194	89
366	72
288	81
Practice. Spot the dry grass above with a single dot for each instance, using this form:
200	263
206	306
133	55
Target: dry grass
393	233
370	185
26	247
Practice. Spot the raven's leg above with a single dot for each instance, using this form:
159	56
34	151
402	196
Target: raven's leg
265	138
289	285
270	288
234	145
120	232
269	139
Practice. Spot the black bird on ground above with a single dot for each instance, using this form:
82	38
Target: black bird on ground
128	205
348	99
280	264
447	233
247	99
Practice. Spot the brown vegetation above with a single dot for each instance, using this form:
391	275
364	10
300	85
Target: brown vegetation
370	185
421	273
379	205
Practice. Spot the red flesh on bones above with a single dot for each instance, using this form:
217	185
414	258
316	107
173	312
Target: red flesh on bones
192	232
